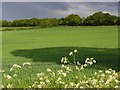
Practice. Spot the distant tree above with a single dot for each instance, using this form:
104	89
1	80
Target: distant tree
72	20
49	22
5	23
33	22
100	18
0	23
118	21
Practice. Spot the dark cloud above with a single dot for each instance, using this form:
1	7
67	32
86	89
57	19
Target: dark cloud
52	5
18	10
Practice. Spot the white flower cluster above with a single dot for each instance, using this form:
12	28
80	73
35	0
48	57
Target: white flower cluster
73	52
101	79
90	61
27	64
65	77
2	71
64	60
15	66
8	77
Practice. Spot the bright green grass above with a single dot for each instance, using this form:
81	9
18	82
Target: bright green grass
45	47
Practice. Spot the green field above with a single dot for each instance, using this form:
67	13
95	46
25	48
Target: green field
45	47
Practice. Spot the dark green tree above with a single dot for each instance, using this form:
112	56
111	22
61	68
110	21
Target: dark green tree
72	20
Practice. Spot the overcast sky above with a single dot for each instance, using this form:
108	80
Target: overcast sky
60	0
19	10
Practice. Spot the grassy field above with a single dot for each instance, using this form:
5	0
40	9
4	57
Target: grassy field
45	47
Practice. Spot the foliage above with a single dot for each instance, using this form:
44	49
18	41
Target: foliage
72	20
44	48
96	19
100	18
60	78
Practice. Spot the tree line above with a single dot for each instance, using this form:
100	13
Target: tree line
97	19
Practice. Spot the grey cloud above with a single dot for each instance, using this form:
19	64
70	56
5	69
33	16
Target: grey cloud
60	1
17	10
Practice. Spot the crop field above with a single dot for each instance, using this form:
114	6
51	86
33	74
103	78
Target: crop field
44	48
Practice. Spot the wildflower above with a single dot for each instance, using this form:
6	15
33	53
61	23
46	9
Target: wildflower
27	63
77	68
86	61
100	71
110	69
63	65
95	73
87	58
39	86
102	75
40	74
8	77
14	75
77	85
75	51
90	63
71	84
29	87
9	86
84	76
65	58
59	78
33	85
116	81
94	61
68	68
60	71
16	66
71	53
42	83
1	86
64	74
2	71
36	82
116	87
41	78
62	82
76	77
85	65
81	67
47	81
107	71
81	87
91	58
11	69
66	86
62	59
49	70
78	63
